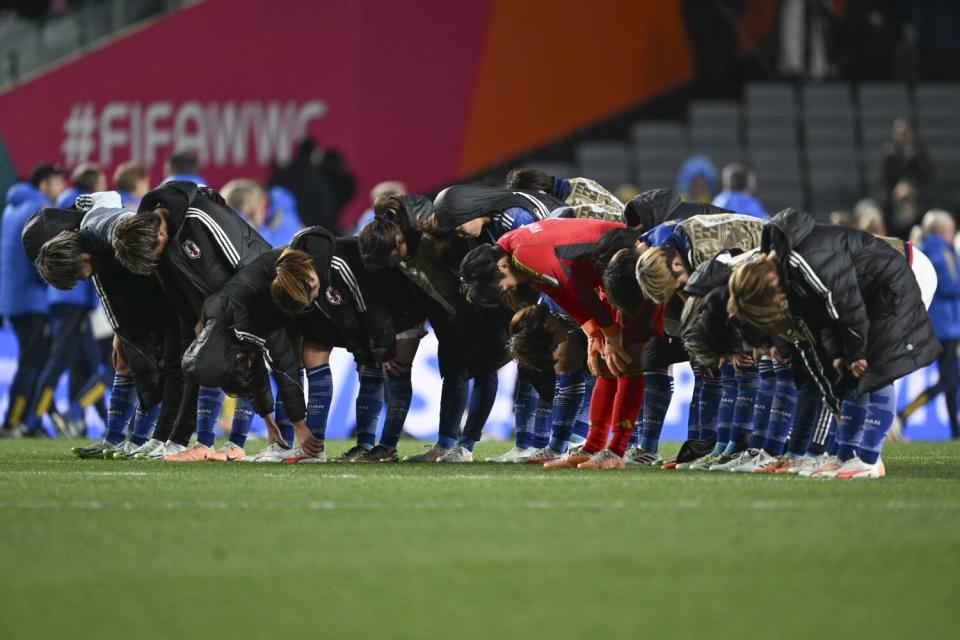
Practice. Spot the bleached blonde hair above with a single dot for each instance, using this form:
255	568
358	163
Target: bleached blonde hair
654	277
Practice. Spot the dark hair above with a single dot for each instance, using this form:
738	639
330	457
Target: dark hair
290	287
529	179
531	343
377	241
706	330
238	379
127	175
480	276
611	243
86	176
135	241
59	261
620	282
386	206
183	162
736	177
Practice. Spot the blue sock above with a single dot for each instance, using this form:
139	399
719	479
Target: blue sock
782	409
143	424
763	403
242	419
709	409
369	405
853	415
741	425
657	393
453	402
810	414
209	403
581	426
400	394
524	405
567	400
880	411
542	425
123	402
287	430
319	399
832	446
728	399
693	416
482	397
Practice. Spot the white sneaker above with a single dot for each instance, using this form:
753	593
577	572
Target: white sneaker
513	455
636	455
299	456
794	465
274	453
810	465
756	459
431	454
124	451
457	455
827	468
542	456
150	445
857	469
102	449
168	449
734	462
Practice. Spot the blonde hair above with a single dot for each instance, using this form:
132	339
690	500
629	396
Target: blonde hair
654	277
936	221
240	193
291	286
752	296
128	175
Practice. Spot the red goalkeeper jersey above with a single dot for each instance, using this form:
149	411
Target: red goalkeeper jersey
557	254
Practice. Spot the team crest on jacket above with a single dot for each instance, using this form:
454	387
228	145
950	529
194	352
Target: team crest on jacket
193	251
333	296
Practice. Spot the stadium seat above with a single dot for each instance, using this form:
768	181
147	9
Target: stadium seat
770	101
606	162
559	169
827	97
653	137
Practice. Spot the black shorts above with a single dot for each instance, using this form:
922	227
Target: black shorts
662	351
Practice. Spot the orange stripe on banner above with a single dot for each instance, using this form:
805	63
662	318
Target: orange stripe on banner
550	67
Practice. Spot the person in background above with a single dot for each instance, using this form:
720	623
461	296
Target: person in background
320	181
87	177
386	189
274	216
132	181
905	159
939	230
182	165
23	295
906	207
841	218
697	179
739	191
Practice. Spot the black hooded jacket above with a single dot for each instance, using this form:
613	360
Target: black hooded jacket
242	312
654	207
133	304
208	242
857	295
465	202
351	297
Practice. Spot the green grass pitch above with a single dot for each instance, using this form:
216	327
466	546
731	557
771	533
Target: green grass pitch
123	549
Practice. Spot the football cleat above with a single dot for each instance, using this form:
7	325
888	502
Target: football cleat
430	454
458	454
514	455
227	453
101	449
605	459
379	453
542	456
826	468
352	454
855	470
570	461
636	455
196	453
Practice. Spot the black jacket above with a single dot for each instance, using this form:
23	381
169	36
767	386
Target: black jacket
352	297
654	207
855	293
133	304
243	312
464	202
208	243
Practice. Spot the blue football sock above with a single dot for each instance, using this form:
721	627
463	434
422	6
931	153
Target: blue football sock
123	402
763	403
693	416
242	419
657	393
581	425
209	403
567	399
287	430
880	411
482	397
810	413
319	399
782	410
399	396
453	402
728	400
524	405
741	425
709	409
369	405
542	425
143	424
853	415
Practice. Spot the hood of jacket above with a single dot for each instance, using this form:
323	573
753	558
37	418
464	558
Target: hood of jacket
786	230
710	275
320	243
44	225
465	202
21	192
650	208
